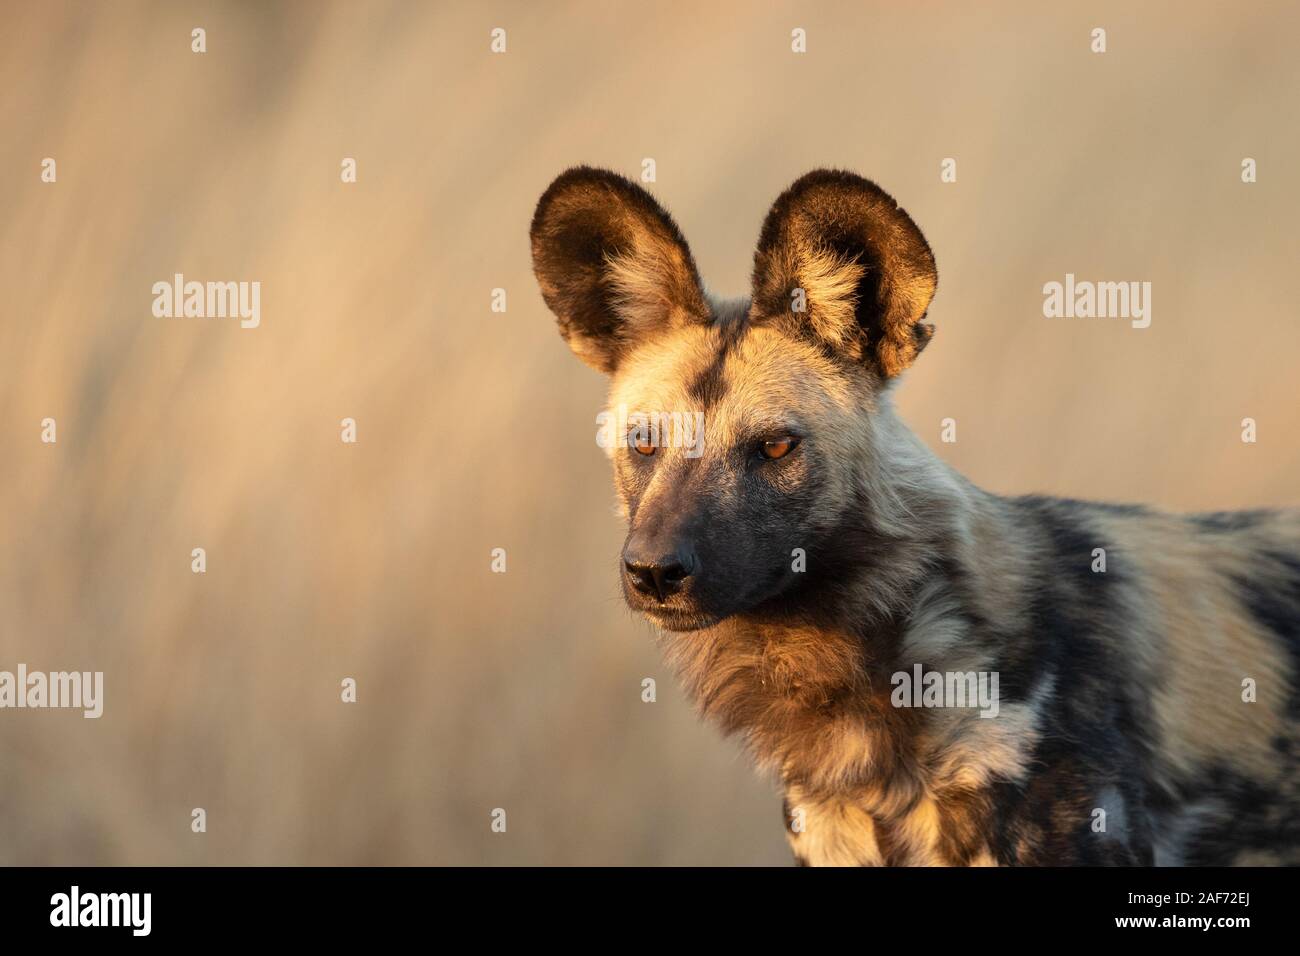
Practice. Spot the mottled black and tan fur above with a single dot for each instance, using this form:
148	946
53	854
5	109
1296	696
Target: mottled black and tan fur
1120	690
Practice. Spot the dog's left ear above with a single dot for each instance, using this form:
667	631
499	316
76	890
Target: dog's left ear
840	261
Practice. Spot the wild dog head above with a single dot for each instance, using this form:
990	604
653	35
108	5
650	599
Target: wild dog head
787	384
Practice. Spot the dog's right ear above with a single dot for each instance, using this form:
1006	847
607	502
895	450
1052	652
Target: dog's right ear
612	265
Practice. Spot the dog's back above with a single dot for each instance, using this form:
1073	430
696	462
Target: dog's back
1202	618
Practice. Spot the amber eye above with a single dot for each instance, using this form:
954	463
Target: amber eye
642	444
778	447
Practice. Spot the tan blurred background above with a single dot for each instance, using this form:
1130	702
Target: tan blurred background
476	430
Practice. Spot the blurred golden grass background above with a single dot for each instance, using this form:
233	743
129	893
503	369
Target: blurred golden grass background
522	690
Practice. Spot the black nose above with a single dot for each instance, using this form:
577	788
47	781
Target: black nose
658	579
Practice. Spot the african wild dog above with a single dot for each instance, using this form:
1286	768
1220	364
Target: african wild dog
1120	691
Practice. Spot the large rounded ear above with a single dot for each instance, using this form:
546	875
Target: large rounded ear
840	261
612	265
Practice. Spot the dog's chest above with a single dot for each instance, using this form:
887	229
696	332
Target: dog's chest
861	830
